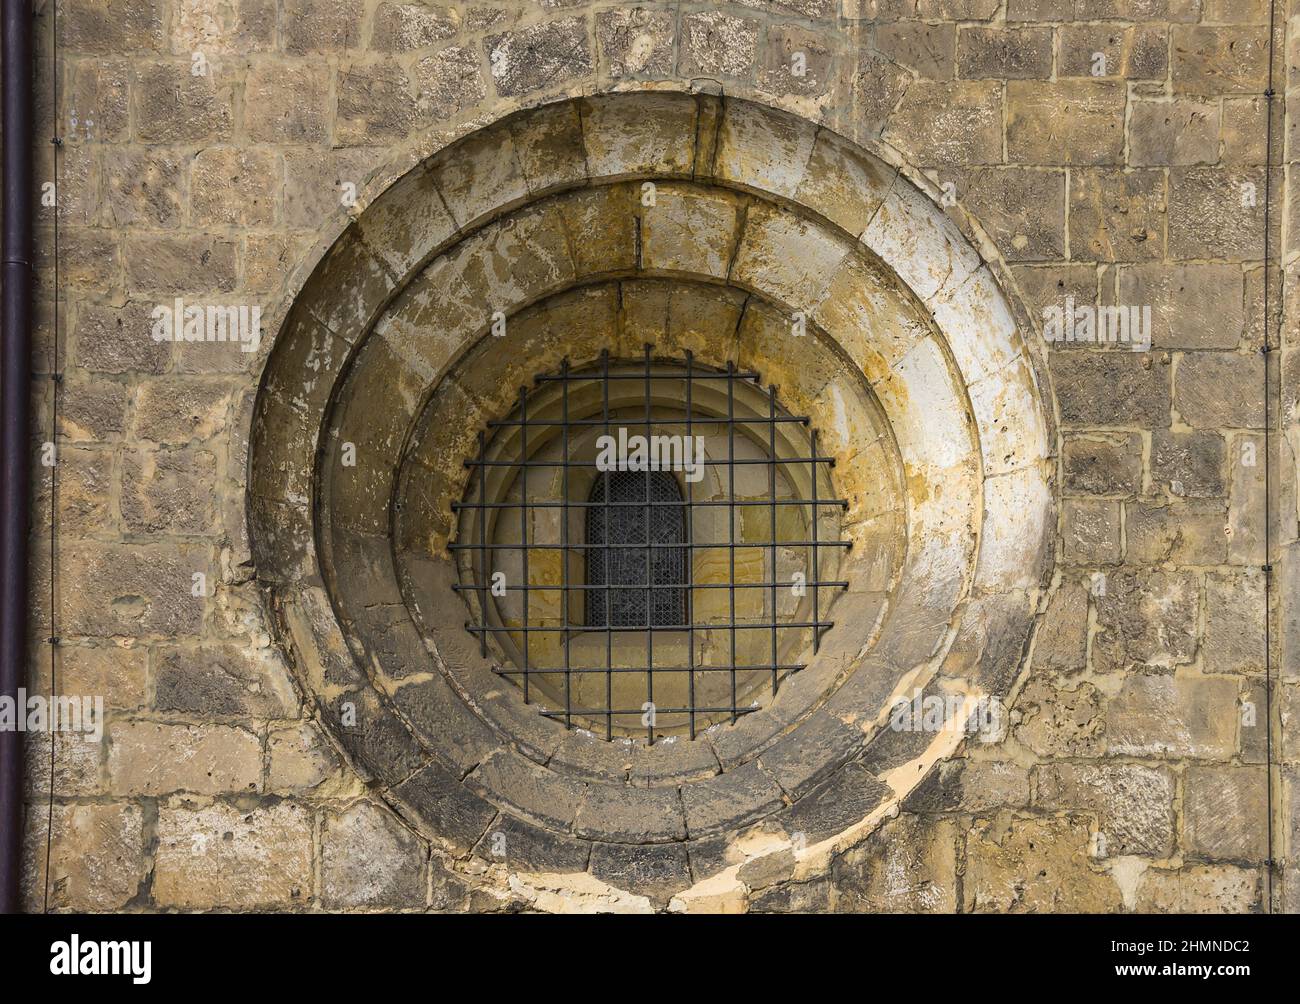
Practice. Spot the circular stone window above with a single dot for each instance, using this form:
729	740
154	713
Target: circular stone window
631	532
637	547
619	468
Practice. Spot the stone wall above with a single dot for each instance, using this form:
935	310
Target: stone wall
1111	151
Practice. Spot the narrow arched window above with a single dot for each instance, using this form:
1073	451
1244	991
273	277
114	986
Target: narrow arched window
618	519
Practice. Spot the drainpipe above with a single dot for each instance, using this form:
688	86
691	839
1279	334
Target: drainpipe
15	401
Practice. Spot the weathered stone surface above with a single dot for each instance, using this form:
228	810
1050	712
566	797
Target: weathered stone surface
150	758
401	27
1061	720
287	102
319	26
844	800
1092	531
1145	617
179	411
1188	465
1023	210
1134	804
375	104
715	43
929	50
1225	813
96	862
241	27
118	339
221	681
369	859
972	785
133	590
908	866
1182	533
300	758
448	82
1062	637
1219	60
635	41
539	56
1136	53
114	672
220	856
654	870
1181	716
172	105
876	86
1192	306
1034	865
85	484
1070	122
436	798
1216	212
91	410
233	187
1173	133
168	491
1112	388
94	26
942	123
1216	390
97	101
632	815
1199	889
145	187
181	266
796	61
1117	215
730	799
1234	622
1004	53
521	846
1109	465
314	183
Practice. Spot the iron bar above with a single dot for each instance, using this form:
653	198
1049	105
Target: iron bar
622	596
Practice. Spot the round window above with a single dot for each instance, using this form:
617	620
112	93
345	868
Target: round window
648	547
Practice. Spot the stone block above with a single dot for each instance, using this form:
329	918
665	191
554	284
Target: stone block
1133	803
1217	390
1035	865
1117	215
287	102
1145	617
153	758
172	105
96	861
1225	813
948	123
717	44
1178	716
1173	132
539	56
1068	122
370	860
1111	388
636	41
221	856
1004	53
1103	466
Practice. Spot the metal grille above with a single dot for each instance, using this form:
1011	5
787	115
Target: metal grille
636	545
623	569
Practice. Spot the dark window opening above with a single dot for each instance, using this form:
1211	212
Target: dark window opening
630	597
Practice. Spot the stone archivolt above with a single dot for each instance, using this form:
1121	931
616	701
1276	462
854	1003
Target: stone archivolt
691	223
